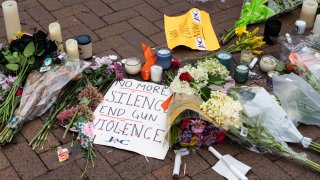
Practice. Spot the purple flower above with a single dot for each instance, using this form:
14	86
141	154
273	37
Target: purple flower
197	126
185	136
208	140
118	70
5	86
101	61
10	79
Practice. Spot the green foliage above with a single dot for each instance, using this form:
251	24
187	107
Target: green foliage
29	50
13	67
216	80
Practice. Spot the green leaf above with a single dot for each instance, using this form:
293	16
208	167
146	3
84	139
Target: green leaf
13	67
205	93
216	80
85	101
29	50
31	60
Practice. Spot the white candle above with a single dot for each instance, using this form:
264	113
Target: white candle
308	12
156	73
132	66
11	19
72	49
55	34
316	26
268	63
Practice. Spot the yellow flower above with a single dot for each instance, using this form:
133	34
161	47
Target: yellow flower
254	32
257	52
240	30
20	34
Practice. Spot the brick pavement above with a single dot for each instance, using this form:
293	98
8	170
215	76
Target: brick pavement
118	27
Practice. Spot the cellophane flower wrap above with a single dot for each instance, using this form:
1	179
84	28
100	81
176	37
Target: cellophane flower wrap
40	93
223	111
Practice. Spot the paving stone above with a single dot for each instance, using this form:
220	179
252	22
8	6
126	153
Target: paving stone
227	4
222	28
194	164
173	1
25	161
41	15
69	21
124	4
30	130
148	12
185	178
143	25
51	5
27	4
4	163
165	172
228	14
160	24
252	176
70	171
66	34
159	38
71	2
127	51
91	20
120	16
108	43
138	166
135	38
208	6
23	15
58	133
147	177
309	131
106	53
113	29
114	156
176	8
109	1
208	174
9	173
293	169
309	175
182	52
157	4
50	158
261	166
82	29
98	7
29	24
69	11
101	169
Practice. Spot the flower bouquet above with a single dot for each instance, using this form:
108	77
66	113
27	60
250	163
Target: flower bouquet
6	83
226	113
40	92
99	74
257	100
24	54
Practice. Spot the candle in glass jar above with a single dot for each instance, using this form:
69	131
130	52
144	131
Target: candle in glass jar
132	66
55	34
308	12
164	58
245	57
268	63
72	49
11	19
156	73
224	58
316	26
241	73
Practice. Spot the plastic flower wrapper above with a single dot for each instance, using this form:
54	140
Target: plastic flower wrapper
40	93
100	74
300	101
257	100
247	131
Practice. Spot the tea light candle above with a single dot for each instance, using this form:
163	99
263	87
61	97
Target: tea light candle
55	34
316	26
11	19
156	73
246	57
308	12
268	63
132	66
241	73
72	49
224	58
164	58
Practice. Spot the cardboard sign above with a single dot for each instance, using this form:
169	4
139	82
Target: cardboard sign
192	29
131	118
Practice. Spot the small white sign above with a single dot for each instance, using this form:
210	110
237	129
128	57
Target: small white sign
244	131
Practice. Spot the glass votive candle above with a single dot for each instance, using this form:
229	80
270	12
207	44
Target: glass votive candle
246	57
132	66
164	58
268	63
156	73
241	73
224	58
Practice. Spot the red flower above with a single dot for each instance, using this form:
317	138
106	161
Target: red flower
220	137
185	77
185	123
19	91
175	64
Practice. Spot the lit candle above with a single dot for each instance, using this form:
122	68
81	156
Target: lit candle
246	57
316	26
224	58
132	66
11	19
164	58
156	73
268	63
241	73
55	34
72	49
308	12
